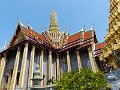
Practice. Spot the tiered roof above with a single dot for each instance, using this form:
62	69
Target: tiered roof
79	40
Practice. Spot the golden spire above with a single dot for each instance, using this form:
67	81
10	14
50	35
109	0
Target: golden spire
53	22
53	19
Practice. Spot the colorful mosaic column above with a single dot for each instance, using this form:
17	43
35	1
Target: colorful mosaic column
23	66
92	60
68	61
14	75
3	63
41	67
58	67
79	61
30	82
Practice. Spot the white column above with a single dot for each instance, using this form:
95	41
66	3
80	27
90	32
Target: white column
92	60
50	64
41	66
31	68
0	62
14	75
79	61
9	81
1	69
61	69
55	67
23	66
58	67
68	61
3	63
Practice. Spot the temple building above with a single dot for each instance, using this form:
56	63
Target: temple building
44	57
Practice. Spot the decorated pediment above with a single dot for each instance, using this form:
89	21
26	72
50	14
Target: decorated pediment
18	36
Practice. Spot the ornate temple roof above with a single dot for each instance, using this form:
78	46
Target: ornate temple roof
53	38
29	34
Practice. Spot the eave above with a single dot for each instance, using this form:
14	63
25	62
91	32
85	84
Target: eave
79	44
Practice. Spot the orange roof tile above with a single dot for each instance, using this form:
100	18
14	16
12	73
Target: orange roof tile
74	37
100	45
77	36
31	33
87	35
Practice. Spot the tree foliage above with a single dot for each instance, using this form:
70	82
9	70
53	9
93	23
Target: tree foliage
83	80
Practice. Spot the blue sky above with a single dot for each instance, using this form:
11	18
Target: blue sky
72	14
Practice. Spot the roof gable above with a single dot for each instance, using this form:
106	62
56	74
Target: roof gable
22	33
18	36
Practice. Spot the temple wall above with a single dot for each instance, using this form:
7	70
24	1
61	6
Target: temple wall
63	59
53	66
36	59
9	68
21	57
73	57
45	68
10	61
85	59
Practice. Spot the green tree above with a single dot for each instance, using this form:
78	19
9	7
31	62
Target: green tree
83	80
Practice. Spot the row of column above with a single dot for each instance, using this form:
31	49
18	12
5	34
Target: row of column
23	67
91	57
31	66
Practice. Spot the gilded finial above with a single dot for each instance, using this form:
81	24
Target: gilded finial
29	26
92	28
83	28
65	31
68	32
19	22
5	45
